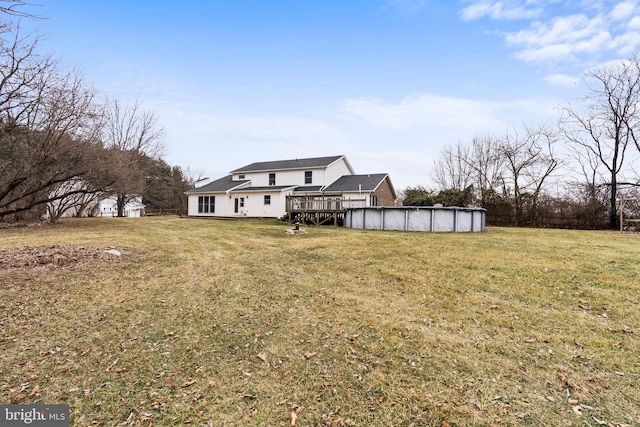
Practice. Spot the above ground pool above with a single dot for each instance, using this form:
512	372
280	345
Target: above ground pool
416	218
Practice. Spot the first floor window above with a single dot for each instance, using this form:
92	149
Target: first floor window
206	204
267	200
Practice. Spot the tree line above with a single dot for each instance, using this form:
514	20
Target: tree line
62	145
572	173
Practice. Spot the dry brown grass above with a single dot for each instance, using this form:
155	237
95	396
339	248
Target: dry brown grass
237	323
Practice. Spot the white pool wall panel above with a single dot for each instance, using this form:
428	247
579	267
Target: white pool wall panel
414	218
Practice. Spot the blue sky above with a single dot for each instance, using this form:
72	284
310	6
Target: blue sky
389	83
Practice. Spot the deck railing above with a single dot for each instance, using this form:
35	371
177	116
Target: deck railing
297	204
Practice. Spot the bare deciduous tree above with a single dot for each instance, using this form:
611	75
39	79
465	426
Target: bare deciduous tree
478	165
48	127
453	169
609	121
487	165
529	161
14	8
135	134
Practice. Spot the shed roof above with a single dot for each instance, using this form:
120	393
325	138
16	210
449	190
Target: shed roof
308	188
357	182
315	162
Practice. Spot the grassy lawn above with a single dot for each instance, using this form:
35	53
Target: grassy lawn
233	323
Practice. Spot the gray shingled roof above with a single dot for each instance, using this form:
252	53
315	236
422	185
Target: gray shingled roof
265	188
310	188
357	182
288	164
219	185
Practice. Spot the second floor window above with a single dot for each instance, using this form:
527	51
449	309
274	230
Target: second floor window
308	177
272	179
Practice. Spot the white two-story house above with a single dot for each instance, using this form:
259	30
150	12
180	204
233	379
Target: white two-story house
261	189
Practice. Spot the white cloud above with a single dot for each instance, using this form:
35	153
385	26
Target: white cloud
420	112
206	139
623	11
568	39
401	138
562	80
627	44
285	129
408	6
564	32
500	10
568	29
407	135
547	53
634	23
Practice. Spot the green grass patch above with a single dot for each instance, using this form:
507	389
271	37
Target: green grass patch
238	323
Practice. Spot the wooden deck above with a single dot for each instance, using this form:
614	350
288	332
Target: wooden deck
319	210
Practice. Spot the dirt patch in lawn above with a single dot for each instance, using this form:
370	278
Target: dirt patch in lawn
27	261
